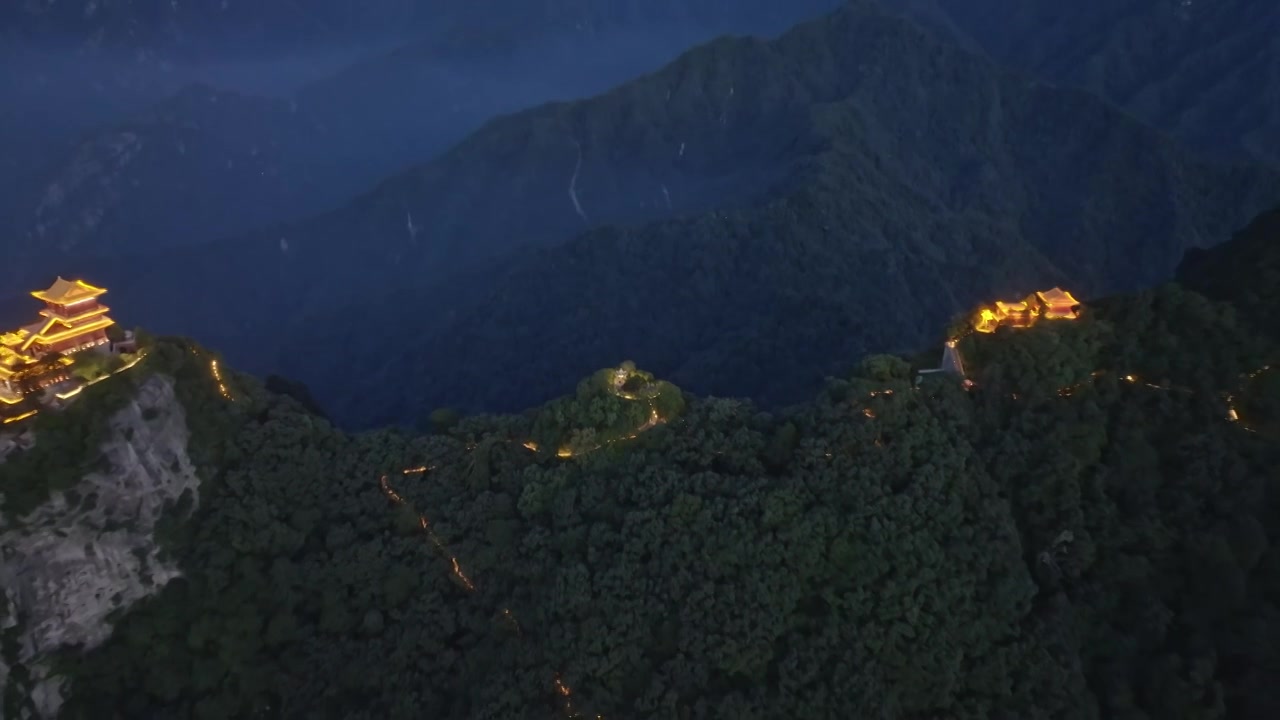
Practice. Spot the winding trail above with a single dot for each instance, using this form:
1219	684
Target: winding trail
215	372
561	690
222	385
620	379
952	360
460	577
1229	398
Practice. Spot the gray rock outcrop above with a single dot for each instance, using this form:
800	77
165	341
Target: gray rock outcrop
87	553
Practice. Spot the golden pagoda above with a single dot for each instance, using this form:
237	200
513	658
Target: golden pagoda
74	319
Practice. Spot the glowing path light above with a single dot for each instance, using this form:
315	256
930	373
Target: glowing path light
215	371
619	380
23	416
78	389
515	624
217	377
566	696
425	525
654	419
461	577
1232	415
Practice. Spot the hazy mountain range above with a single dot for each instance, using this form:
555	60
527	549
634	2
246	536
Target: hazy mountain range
1208	72
852	183
208	162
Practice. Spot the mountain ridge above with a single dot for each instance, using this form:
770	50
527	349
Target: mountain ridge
923	125
1090	266
1206	72
971	533
315	150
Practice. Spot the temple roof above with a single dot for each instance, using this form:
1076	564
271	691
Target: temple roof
63	292
46	333
1057	296
13	339
97	309
39	334
1007	307
10	360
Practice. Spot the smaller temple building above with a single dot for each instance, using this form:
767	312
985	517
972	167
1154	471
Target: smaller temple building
35	356
1057	304
1053	304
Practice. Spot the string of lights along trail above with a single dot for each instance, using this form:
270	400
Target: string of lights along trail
617	387
561	689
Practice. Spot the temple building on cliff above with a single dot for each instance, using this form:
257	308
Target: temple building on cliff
1058	304
1054	304
35	356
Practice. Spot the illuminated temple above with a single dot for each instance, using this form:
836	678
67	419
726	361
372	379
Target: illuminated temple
1054	304
34	357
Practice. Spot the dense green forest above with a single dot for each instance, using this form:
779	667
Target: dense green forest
1083	533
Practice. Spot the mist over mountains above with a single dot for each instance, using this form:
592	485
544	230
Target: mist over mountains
897	177
205	161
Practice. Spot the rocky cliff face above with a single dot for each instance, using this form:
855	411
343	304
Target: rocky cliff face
91	551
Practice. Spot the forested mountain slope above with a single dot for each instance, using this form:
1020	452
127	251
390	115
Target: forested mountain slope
916	177
1083	534
1209	72
203	164
1244	272
207	163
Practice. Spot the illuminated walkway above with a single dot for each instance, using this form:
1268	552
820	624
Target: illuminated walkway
215	372
952	362
459	575
620	379
1229	398
222	385
78	389
562	691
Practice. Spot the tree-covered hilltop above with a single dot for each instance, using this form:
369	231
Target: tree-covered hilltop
1084	533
